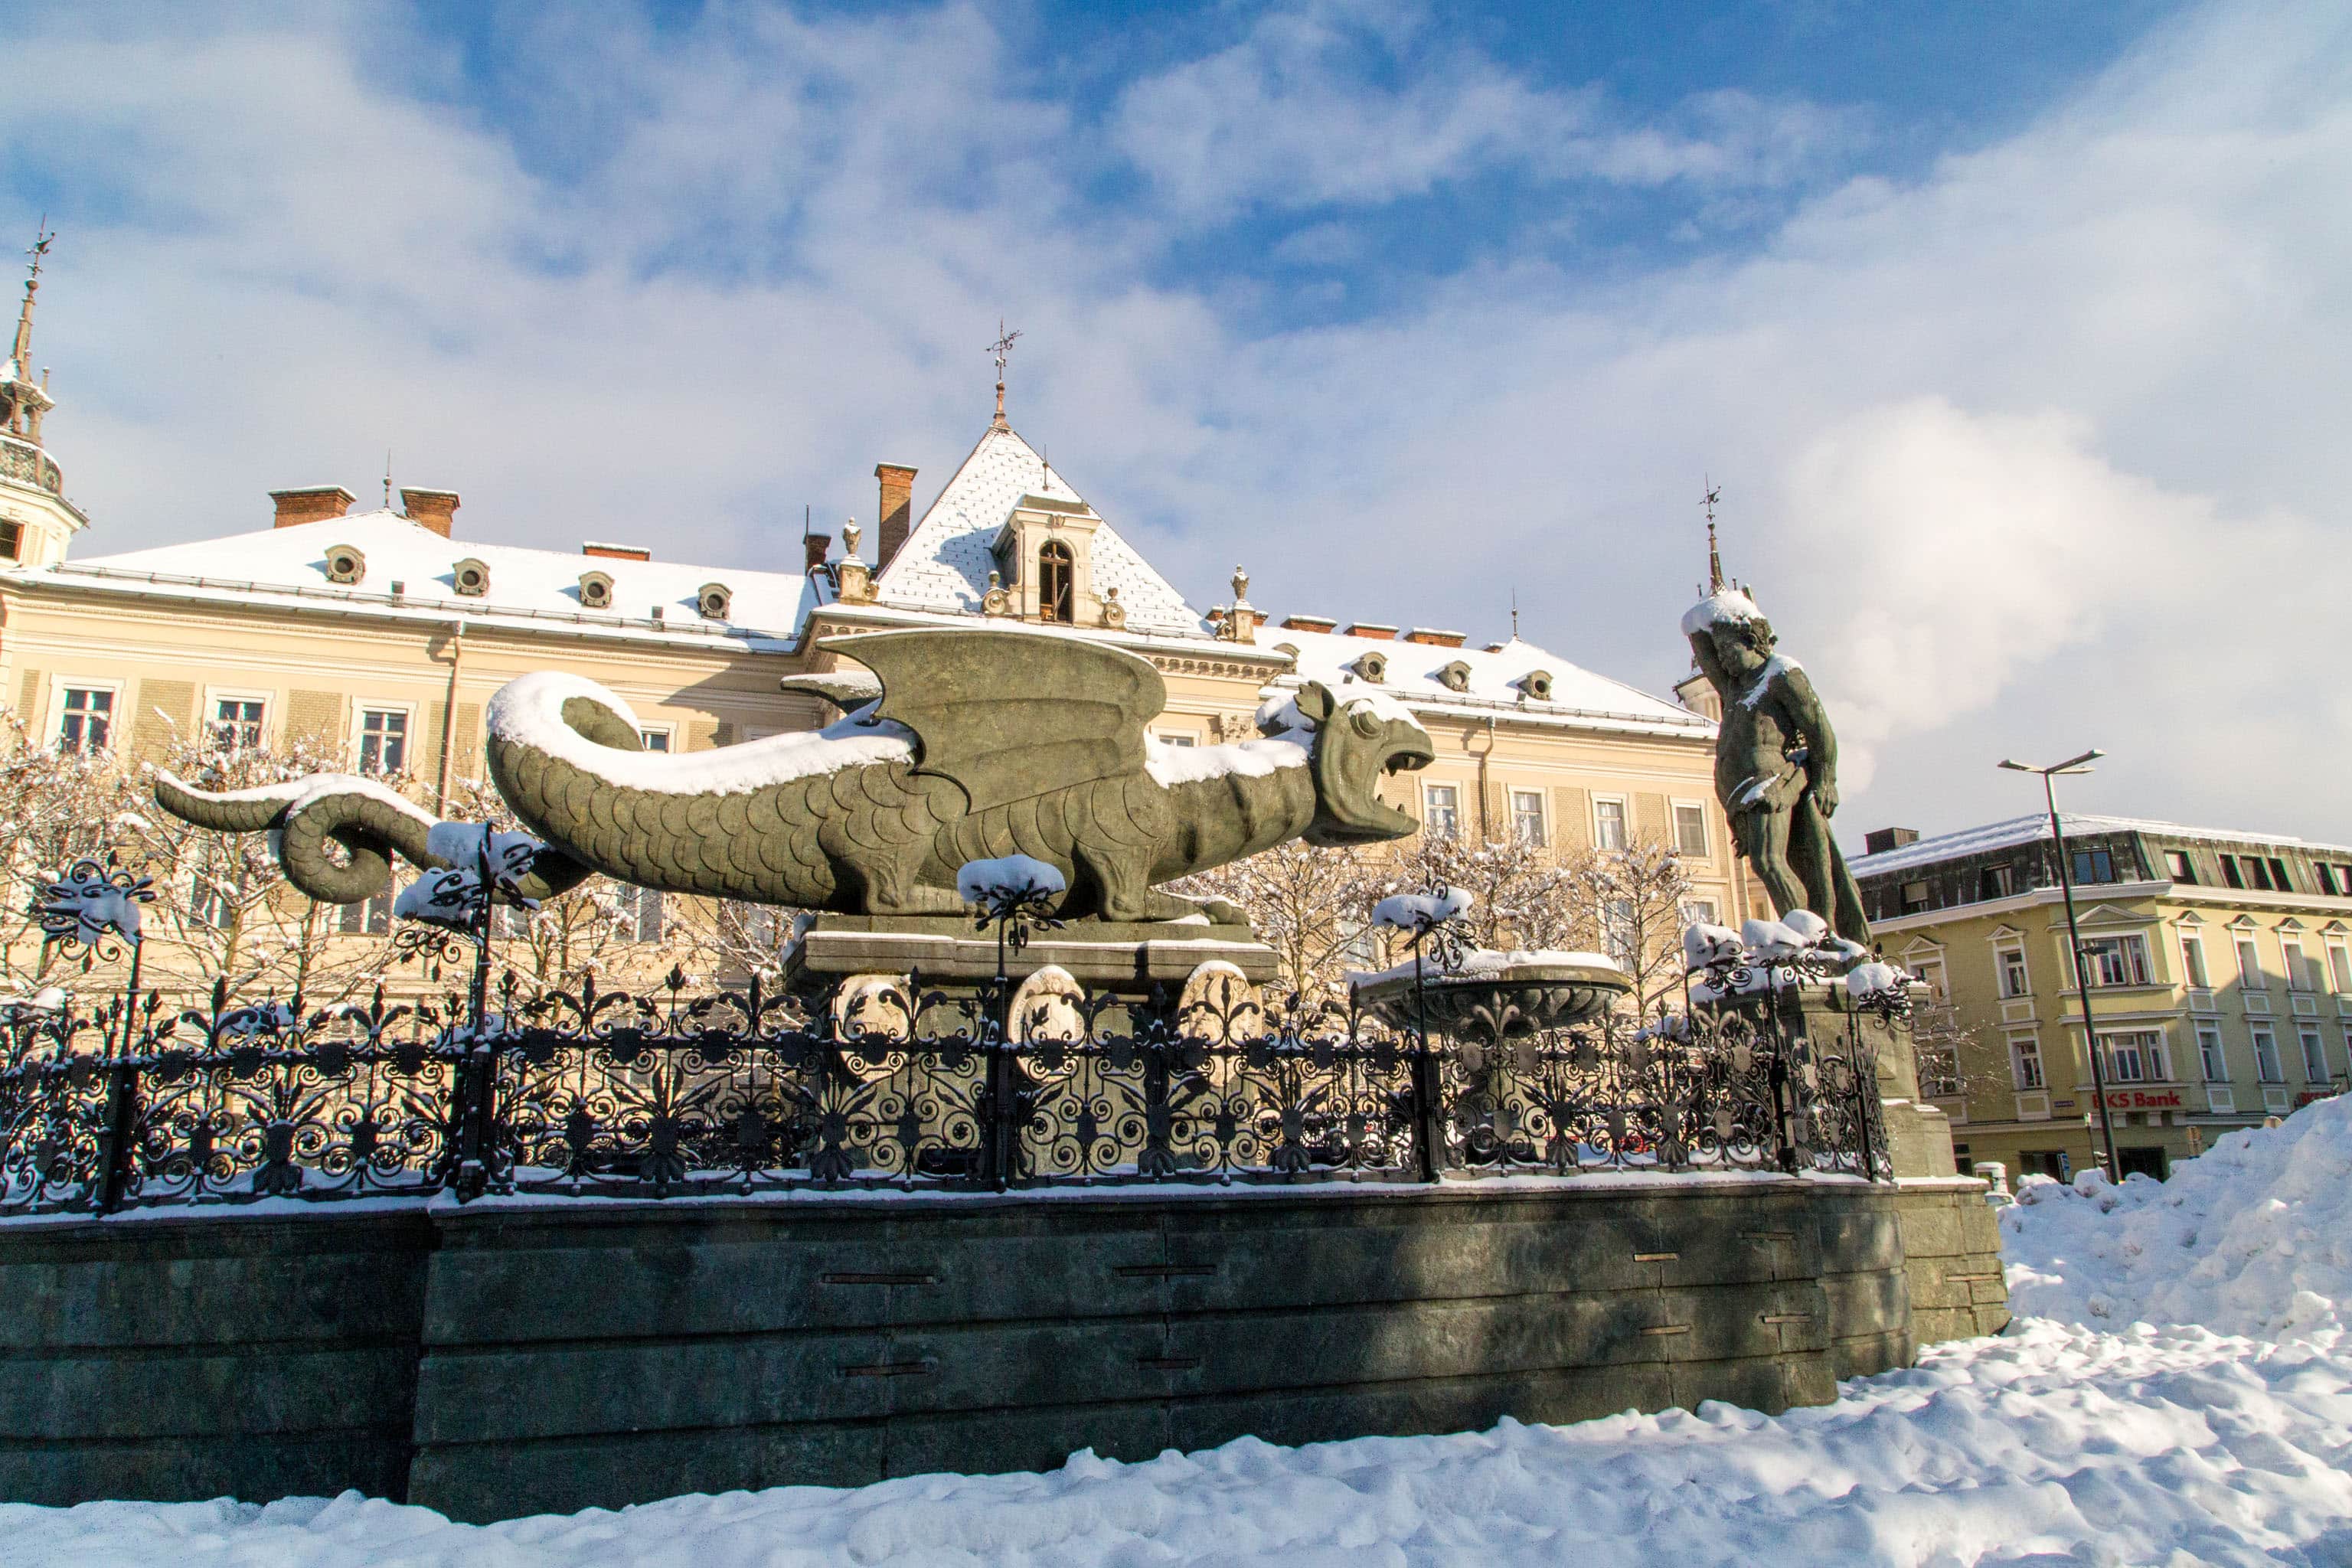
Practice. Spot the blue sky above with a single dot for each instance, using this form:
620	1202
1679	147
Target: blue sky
2013	332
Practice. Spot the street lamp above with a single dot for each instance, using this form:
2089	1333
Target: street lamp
2081	764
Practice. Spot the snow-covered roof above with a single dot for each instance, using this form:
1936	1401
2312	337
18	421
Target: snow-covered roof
2036	829
534	584
944	565
1580	698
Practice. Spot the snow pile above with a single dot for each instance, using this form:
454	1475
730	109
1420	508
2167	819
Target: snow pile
1419	911
1008	876
299	795
528	712
1478	963
1725	606
1169	764
2253	1238
1766	953
2049	1445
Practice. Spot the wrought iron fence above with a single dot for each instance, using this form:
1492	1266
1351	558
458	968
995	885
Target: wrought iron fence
672	1093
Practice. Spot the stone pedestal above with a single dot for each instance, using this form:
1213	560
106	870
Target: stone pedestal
1126	959
1952	1240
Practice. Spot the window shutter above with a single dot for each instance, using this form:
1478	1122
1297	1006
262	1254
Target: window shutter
28	704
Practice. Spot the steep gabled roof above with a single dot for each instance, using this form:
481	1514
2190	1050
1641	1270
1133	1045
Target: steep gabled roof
943	566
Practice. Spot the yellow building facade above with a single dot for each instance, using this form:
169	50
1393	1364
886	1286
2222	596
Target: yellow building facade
2220	970
376	638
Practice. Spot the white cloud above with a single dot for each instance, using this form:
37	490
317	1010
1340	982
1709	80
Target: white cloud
2040	450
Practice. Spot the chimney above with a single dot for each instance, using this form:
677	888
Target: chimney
898	498
1879	840
816	545
436	510
613	551
313	503
1433	639
1371	629
1308	624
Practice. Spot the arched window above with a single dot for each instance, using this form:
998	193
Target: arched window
1055	576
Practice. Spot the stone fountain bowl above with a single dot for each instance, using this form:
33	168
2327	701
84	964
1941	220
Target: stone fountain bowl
1503	1002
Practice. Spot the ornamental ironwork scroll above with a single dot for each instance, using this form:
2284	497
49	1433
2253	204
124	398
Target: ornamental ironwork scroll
673	1091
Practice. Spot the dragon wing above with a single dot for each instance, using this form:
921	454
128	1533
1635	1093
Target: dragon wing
1009	715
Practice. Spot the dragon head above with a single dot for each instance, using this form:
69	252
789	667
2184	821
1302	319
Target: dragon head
1355	741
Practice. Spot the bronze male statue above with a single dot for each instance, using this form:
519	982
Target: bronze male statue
1775	763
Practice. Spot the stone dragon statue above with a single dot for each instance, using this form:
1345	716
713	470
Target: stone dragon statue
982	742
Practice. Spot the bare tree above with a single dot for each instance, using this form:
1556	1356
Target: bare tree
223	908
55	807
1312	906
1522	895
622	934
1634	903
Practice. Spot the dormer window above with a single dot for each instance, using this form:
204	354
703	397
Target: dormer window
1057	583
595	591
1372	666
472	577
345	565
1536	685
713	600
1455	677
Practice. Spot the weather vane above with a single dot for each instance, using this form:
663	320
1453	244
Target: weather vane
1714	558
45	237
1002	349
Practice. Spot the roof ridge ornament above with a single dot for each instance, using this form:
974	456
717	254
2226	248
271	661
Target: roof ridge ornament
21	350
1714	556
1002	351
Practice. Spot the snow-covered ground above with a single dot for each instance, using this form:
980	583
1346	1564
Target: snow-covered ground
2081	1436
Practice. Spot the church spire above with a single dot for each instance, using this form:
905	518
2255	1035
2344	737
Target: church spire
22	403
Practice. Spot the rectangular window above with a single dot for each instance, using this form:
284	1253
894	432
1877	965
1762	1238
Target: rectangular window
2325	874
1527	816
2025	1062
1617	932
1609	825
2013	978
12	540
2344	877
1997	882
2180	868
2135	1055
1441	809
2209	1060
2339	967
2250	962
2266	1056
87	722
2193	964
659	740
2301	974
2315	1055
1930	972
237	725
2116	959
1699	911
370	917
1914	897
1690	831
2230	872
2256	872
383	741
2280	880
2094	866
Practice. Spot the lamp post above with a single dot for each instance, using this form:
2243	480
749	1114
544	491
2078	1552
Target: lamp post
2081	764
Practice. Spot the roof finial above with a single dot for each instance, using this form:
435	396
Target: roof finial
1713	557
387	479
22	351
1515	614
1002	350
